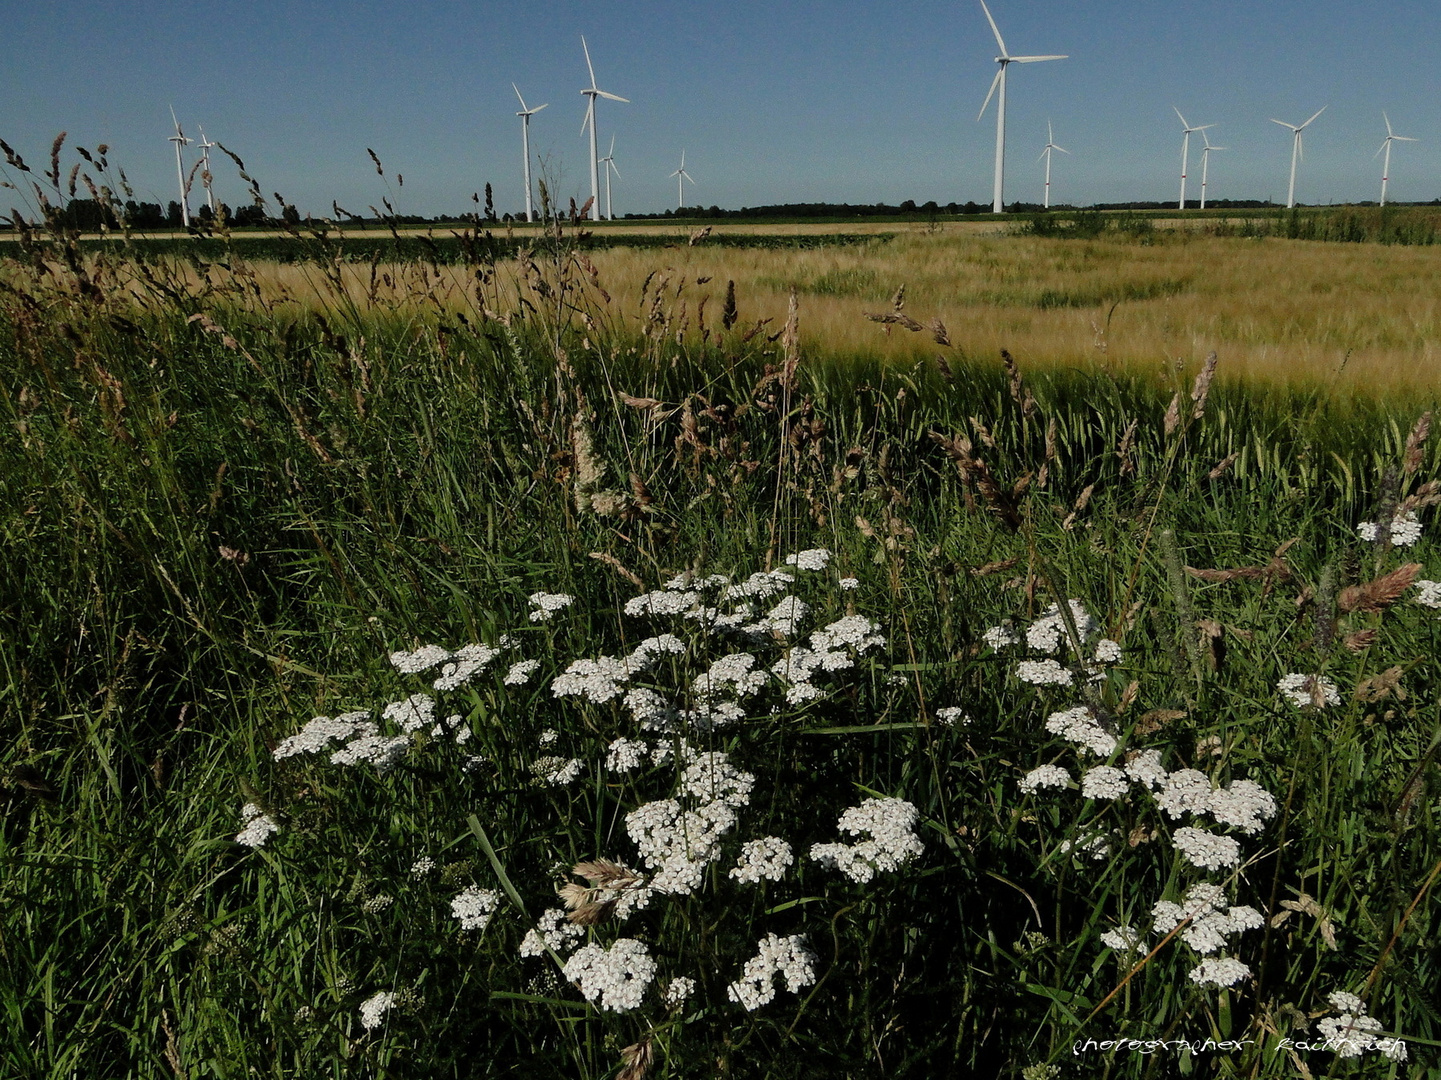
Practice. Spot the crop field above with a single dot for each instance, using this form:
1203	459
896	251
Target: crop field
720	659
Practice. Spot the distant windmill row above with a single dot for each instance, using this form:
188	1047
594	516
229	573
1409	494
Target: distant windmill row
1005	59
597	163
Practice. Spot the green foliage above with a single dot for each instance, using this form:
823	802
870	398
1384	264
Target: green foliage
220	515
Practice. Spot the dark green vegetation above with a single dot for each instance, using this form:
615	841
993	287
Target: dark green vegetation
219	516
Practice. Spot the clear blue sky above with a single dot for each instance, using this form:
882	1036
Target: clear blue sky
839	101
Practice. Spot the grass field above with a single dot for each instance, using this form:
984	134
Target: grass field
1087	706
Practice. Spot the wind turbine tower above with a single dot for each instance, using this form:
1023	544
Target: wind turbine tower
1391	137
1296	154
525	114
205	145
609	162
1005	60
681	176
1185	151
594	92
1046	153
180	140
1205	162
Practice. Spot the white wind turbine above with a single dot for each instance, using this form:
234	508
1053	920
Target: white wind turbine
609	162
1005	60
1185	151
205	144
1205	163
681	176
1046	153
1391	137
525	114
1296	154
594	92
180	140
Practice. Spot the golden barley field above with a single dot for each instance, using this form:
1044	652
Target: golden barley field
1359	318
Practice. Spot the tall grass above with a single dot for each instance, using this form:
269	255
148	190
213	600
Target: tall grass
226	504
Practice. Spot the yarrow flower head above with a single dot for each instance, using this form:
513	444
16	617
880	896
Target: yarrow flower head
892	843
1048	632
1405	530
952	716
553	930
520	672
1043	777
1079	726
322	731
617	978
811	559
767	858
1220	971
474	907
259	826
1043	673
1430	593
545	605
374	1008
788	957
1104	782
849	583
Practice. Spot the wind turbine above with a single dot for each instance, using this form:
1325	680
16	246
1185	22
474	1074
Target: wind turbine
1296	154
525	114
1206	161
1046	153
180	140
205	145
1391	137
1005	60
609	161
681	176
1185	150
594	92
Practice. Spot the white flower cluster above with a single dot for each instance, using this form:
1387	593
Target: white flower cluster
1405	530
1308	691
602	679
1048	632
1107	651
1098	847
1219	971
1352	1033
1124	939
1104	782
412	714
1212	922
677	991
849	583
422	659
758	586
617	977
662	602
1144	767
736	673
1043	673
1044	776
788	957
555	771
952	716
890	824
784	619
520	672
1206	849
370	747
811	559
422	866
374	1008
768	857
259	826
829	651
320	733
463	665
474	907
552	931
1430	595
1241	804
626	755
1079	726
547	604
1002	636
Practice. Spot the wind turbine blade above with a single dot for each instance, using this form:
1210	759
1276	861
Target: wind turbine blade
1183	119
1037	59
613	97
682	161
590	68
676	173
1404	138
1384	143
992	93
1388	121
1317	113
1300	146
994	28
1284	124
589	116
613	168
1044	152
1204	127
611	151
1050	134
517	94
538	108
1063	150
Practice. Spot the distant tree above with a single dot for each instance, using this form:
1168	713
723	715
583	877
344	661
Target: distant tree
251	215
172	215
909	206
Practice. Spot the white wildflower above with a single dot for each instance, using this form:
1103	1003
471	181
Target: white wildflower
1097	847
547	604
677	991
259	826
710	778
650	650
520	672
662	602
1002	636
892	842
1207	850
1405	530
1345	1002
599	680
1186	791
768	858
1242	804
811	559
1079	726
626	755
760	585
852	631
422	866
1048	632
649	710
412	714
1348	1035
474	907
374	1008
737	672
787	957
555	771
783	619
1104	782
952	716
1307	691
552	930
321	732
382	751
1430	594
1220	971
422	659
1107	651
468	662
1122	938
849	583
1144	767
617	977
1043	673
1043	777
